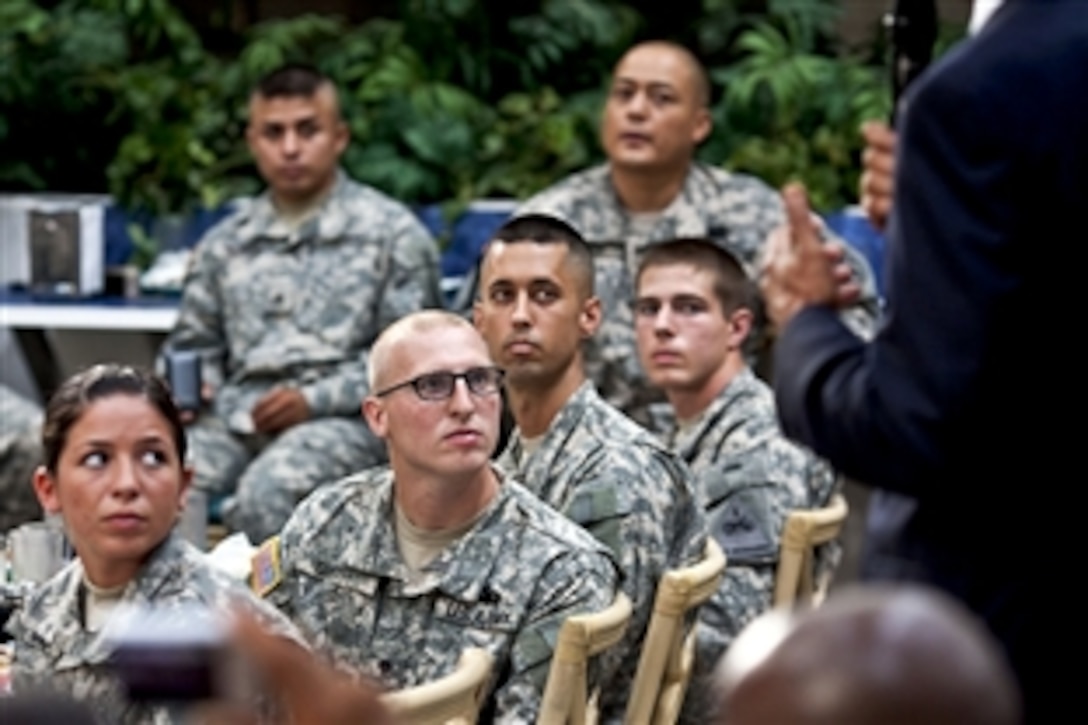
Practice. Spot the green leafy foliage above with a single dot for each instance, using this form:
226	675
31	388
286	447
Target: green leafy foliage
793	102
447	100
51	65
533	135
428	129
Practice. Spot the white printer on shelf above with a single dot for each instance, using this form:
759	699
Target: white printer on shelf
53	244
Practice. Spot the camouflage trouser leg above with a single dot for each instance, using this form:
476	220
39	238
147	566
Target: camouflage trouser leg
293	465
20	454
218	455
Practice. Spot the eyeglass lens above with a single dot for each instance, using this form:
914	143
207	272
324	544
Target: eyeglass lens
480	381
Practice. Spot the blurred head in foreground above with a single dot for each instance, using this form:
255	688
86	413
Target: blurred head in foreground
870	656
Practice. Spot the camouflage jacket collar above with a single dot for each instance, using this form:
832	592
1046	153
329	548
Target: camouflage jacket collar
538	466
53	616
54	613
737	406
686	215
462	571
258	220
160	573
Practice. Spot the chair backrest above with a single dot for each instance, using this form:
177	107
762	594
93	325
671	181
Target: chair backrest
566	694
803	532
668	651
453	699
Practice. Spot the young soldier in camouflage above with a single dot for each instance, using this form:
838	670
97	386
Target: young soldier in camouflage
114	451
575	451
693	311
652	189
20	453
284	298
393	572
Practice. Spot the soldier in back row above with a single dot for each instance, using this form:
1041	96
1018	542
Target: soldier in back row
283	300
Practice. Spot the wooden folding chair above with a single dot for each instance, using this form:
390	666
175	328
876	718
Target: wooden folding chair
567	700
455	699
803	532
668	652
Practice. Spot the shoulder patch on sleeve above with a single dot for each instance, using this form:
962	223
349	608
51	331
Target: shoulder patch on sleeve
743	531
265	570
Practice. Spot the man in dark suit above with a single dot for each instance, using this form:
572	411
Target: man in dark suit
955	402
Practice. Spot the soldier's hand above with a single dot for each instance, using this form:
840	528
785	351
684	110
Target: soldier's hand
307	691
799	269
877	186
279	409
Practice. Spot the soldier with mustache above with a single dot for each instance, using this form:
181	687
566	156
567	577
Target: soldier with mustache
652	189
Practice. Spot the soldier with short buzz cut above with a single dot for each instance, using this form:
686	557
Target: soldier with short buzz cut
572	449
20	454
284	298
652	189
693	312
395	571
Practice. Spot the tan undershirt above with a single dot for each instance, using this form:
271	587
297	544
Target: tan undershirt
642	223
99	604
685	427
290	217
529	446
419	547
639	227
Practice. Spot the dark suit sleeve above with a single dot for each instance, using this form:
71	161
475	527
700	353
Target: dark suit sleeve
892	413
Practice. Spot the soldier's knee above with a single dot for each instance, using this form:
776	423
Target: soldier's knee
262	503
257	518
217	468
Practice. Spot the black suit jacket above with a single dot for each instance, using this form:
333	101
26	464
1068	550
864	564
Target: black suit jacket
964	401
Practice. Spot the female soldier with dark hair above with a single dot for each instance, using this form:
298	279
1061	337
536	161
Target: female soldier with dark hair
114	469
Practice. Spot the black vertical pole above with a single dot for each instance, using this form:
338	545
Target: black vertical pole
912	25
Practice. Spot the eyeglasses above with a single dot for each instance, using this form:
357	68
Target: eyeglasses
439	385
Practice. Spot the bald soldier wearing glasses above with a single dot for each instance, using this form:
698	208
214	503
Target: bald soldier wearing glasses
394	571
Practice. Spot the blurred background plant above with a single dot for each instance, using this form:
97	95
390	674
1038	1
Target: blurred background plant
790	110
448	100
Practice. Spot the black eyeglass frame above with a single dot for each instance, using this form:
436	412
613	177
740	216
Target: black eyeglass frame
492	383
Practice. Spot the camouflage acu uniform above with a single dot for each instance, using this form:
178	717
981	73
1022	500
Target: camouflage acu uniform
612	477
751	478
735	210
302	310
20	454
54	652
505	586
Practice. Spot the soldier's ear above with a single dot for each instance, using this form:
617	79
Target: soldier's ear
375	415
342	134
590	318
704	124
740	323
45	488
186	482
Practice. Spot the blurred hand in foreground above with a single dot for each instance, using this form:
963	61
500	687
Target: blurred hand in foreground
799	268
307	691
877	186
